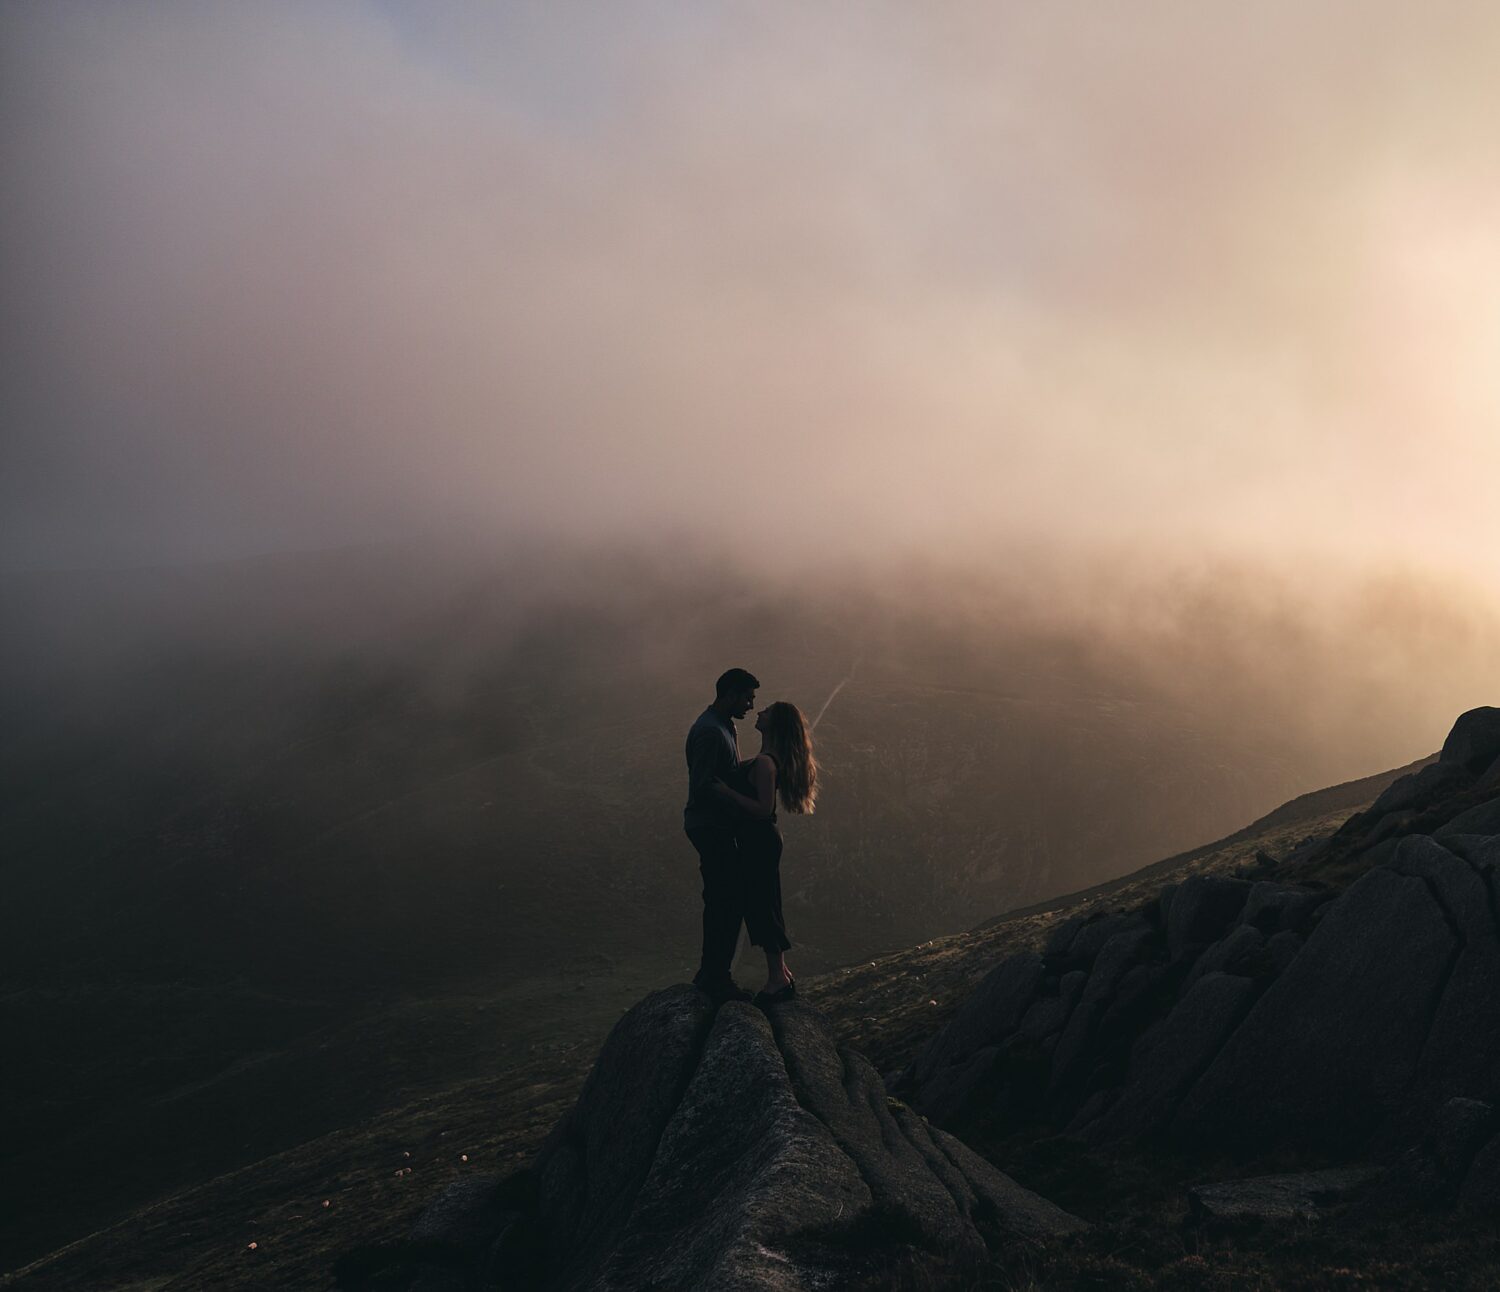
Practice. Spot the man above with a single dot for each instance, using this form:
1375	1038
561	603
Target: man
713	756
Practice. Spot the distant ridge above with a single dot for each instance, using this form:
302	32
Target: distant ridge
1347	796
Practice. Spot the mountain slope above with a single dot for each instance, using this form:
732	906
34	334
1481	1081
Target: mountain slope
886	1008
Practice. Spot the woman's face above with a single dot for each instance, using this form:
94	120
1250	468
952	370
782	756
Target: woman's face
762	719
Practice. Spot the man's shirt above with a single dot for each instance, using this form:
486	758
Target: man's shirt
712	753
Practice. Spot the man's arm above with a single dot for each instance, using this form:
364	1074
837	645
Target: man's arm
763	782
704	759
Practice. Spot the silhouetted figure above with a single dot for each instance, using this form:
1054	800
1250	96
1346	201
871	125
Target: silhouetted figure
785	768
711	819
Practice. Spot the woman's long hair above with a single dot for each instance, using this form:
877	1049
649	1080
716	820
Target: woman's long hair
789	741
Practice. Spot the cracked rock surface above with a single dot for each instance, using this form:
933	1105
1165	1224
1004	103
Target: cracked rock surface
779	1164
729	1149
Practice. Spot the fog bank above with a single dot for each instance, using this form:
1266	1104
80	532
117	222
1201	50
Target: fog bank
840	281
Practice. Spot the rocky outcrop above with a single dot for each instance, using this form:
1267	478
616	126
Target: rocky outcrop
955	1066
1474	1174
1305	1195
1236	1015
1465	776
1200	909
1168	1057
1452	1157
1334	1041
1118	1016
726	1149
1474	742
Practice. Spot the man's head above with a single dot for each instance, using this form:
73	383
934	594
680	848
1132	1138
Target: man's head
734	692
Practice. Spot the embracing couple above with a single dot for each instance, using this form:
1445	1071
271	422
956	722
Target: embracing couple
731	820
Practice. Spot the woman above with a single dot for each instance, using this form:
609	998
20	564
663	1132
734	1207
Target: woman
784	766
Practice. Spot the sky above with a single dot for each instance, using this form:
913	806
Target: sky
807	280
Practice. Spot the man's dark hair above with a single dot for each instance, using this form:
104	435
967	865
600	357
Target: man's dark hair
736	679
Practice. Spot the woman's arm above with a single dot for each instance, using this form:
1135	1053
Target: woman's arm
763	782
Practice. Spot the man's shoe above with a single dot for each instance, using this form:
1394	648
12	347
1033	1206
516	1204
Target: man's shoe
721	990
789	992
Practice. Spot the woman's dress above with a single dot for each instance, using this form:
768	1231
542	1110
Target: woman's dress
759	841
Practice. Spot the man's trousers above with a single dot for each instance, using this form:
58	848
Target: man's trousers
723	900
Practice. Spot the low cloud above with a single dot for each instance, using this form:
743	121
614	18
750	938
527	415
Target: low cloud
836	281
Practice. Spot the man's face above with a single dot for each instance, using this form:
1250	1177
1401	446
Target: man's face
740	702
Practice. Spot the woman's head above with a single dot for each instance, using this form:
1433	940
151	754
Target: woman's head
789	742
